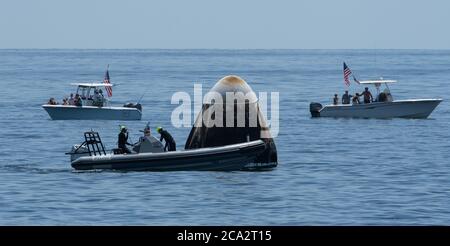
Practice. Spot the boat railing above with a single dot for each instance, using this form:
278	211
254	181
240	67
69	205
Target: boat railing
93	143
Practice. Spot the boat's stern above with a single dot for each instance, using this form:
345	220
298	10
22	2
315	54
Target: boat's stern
315	108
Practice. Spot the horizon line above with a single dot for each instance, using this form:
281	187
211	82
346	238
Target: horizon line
431	49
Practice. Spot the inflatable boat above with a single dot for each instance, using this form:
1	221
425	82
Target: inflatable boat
91	155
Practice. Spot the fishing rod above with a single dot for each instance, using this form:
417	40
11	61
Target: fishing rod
143	94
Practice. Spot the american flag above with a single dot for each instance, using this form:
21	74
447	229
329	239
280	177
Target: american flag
106	81
347	73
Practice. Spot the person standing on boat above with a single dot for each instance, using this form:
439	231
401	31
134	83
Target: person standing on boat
102	98
78	101
355	99
170	142
368	98
123	140
346	98
335	99
97	99
71	100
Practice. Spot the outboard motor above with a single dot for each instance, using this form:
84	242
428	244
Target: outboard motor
132	105
315	108
78	151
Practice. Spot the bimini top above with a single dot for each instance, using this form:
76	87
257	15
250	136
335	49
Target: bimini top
92	84
381	81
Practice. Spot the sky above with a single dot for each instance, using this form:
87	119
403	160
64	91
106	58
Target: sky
226	24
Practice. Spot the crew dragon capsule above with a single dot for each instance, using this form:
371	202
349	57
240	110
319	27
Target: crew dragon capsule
230	115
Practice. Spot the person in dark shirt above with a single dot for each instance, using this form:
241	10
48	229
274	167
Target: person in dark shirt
123	140
355	99
335	99
52	101
368	98
346	98
170	142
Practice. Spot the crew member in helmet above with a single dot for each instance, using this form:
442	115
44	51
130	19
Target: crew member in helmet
170	143
123	140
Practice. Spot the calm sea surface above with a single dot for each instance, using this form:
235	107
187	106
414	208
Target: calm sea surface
331	171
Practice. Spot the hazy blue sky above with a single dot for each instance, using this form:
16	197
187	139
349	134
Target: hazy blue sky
225	24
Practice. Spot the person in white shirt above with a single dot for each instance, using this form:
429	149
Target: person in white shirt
71	99
96	99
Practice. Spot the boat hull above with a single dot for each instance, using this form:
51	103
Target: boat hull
69	112
418	109
227	158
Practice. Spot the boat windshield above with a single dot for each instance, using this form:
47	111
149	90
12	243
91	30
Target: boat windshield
84	91
385	95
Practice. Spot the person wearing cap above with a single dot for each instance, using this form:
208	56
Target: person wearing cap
123	140
170	142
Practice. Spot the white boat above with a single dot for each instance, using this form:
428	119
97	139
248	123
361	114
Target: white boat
384	106
92	109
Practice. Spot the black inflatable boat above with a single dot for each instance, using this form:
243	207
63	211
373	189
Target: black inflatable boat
92	156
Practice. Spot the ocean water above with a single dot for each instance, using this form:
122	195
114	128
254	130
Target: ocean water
331	171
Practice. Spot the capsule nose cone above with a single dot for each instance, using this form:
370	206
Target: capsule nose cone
232	80
236	84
